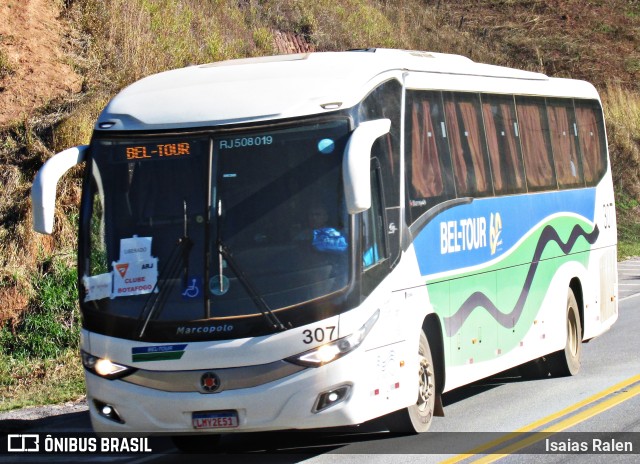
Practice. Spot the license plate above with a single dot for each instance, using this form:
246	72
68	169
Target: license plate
214	419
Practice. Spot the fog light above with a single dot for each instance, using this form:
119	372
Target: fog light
108	411
332	397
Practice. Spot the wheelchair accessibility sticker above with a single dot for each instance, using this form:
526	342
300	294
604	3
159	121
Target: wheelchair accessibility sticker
193	288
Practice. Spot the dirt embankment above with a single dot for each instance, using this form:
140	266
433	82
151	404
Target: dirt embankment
33	68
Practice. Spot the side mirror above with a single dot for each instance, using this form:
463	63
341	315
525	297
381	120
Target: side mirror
355	165
43	192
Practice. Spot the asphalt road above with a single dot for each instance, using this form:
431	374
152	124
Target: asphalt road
480	419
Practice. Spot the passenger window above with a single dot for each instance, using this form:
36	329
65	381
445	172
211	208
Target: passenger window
564	141
429	175
374	249
467	144
503	143
536	144
591	138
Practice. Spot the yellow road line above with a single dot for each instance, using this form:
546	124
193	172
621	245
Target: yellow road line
563	425
539	423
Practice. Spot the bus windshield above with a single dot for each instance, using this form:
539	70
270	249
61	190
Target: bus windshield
196	227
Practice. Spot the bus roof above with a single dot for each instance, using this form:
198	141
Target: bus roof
278	87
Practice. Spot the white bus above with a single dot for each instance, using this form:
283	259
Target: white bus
318	240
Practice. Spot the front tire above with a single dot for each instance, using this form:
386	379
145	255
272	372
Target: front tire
417	417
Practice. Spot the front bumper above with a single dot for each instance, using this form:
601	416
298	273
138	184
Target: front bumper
286	403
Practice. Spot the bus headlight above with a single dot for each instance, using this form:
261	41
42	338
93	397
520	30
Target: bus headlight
104	367
336	349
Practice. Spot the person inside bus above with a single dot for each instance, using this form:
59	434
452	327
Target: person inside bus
317	217
319	233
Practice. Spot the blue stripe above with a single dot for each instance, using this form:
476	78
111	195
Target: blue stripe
460	237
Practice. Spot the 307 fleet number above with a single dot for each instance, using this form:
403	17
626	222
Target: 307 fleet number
319	334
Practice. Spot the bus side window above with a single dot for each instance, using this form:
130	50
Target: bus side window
467	144
385	102
564	140
536	144
428	164
591	138
374	246
503	143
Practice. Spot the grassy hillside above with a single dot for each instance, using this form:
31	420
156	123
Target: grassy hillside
111	43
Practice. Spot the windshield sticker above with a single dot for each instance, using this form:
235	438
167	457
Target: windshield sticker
219	285
193	289
122	269
137	278
98	286
157	352
137	271
326	146
135	248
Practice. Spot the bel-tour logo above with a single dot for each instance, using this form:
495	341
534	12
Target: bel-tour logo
471	234
495	231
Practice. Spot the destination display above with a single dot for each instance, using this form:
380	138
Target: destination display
155	151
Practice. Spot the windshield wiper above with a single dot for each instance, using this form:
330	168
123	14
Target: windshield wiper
257	299
225	252
180	254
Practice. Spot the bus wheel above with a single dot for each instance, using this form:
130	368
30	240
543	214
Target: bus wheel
564	362
567	362
196	444
417	417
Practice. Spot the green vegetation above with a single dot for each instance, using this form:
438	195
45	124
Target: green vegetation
622	113
119	41
52	323
628	235
37	380
41	348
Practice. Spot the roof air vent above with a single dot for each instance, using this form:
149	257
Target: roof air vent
421	54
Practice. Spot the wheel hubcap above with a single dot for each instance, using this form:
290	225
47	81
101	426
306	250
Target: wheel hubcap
425	391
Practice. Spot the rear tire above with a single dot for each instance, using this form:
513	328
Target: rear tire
417	417
567	362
